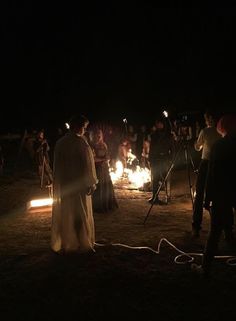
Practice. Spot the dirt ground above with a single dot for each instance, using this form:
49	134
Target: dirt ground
116	282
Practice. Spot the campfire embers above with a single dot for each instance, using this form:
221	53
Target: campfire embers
133	177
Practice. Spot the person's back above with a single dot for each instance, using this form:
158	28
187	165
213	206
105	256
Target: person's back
206	139
222	172
161	144
161	150
65	161
74	179
123	150
221	190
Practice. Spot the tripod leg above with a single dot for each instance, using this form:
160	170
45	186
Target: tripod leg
50	191
168	190
154	198
164	180
187	159
42	174
159	188
192	163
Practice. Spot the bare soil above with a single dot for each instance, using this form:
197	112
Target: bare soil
116	282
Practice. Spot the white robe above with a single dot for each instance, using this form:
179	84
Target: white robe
72	216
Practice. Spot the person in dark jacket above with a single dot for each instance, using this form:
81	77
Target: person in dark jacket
41	148
161	149
221	189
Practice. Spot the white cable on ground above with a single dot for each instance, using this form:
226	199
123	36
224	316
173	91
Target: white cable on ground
231	260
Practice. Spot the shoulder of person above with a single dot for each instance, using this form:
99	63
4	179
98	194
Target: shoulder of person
104	145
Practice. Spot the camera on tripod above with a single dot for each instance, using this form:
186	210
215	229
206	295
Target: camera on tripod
181	127
184	130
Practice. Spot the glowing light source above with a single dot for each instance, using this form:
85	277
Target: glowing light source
165	113
67	126
41	202
137	177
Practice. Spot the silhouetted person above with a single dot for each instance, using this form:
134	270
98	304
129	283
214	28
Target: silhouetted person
104	197
142	137
161	148
221	190
123	150
74	179
41	149
112	138
207	137
132	138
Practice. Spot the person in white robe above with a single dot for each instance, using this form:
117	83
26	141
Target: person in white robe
74	181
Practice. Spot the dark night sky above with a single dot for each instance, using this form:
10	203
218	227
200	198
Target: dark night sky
115	59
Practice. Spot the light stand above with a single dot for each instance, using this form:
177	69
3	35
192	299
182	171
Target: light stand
49	186
125	124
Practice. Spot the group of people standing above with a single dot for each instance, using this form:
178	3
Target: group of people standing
82	184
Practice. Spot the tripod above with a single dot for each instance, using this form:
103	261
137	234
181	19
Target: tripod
45	167
188	160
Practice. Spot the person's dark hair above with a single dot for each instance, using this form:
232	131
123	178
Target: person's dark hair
78	121
210	113
161	120
227	125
